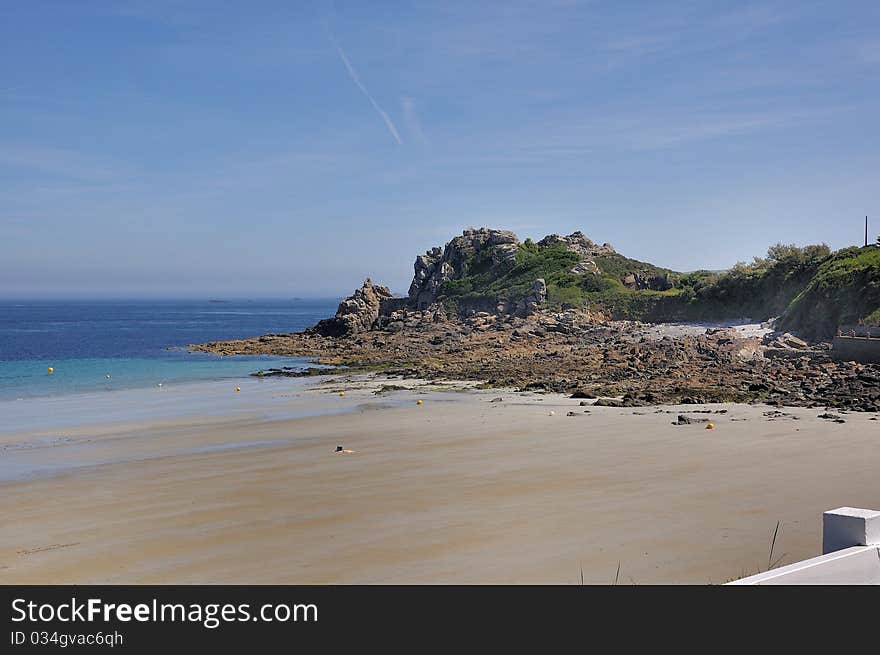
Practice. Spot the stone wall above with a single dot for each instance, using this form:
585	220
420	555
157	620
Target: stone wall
856	349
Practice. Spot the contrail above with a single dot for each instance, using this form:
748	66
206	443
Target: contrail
352	73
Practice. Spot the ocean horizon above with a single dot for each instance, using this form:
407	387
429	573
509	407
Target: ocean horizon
112	344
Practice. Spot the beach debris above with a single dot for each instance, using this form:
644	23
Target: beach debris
388	388
51	370
609	402
342	451
700	411
552	413
687	420
828	416
584	403
776	414
710	426
580	393
499	399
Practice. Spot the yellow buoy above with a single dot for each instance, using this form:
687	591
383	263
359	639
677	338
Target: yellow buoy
341	394
418	402
237	389
710	426
51	370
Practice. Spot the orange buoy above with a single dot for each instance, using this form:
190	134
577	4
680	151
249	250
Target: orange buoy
51	370
341	394
418	402
710	426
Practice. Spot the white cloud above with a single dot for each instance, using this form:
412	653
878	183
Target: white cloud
352	73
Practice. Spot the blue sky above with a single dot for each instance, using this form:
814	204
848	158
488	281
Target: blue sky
164	147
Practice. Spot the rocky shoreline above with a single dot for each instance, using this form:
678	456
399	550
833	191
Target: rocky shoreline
575	352
527	345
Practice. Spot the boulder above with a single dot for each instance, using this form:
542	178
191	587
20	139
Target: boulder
357	313
642	280
436	267
534	301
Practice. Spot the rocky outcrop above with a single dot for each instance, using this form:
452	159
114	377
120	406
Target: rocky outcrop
534	301
436	267
583	247
642	281
578	243
572	351
357	313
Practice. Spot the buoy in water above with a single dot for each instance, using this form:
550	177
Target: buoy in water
108	376
51	370
341	394
552	412
418	402
237	389
710	426
160	385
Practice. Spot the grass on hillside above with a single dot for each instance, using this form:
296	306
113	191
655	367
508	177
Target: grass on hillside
844	290
813	289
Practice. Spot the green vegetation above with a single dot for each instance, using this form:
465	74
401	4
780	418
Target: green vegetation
487	284
758	290
617	267
811	288
844	290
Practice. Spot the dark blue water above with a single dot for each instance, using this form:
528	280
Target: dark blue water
135	343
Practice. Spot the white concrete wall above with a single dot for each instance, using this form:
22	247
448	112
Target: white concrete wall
855	565
851	547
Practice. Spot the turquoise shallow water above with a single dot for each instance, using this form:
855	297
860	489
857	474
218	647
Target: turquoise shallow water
29	378
138	343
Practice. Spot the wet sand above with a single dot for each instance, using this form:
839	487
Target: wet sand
457	490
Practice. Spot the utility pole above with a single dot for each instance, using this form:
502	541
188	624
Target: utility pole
866	230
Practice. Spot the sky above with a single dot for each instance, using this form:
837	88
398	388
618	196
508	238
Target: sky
245	149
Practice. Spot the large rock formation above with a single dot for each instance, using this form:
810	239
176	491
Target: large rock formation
579	243
534	301
433	269
583	247
357	313
642	280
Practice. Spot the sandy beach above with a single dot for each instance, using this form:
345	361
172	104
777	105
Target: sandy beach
245	487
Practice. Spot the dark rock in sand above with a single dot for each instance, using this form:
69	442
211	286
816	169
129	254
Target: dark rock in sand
687	420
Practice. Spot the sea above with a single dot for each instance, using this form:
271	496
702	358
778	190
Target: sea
109	345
